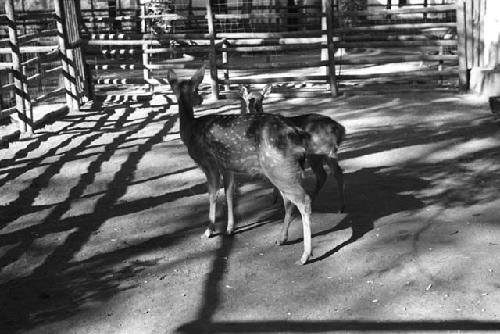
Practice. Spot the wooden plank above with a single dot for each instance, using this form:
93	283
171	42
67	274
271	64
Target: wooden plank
43	58
469	34
462	45
59	13
128	67
379	60
421	75
398	26
131	81
144	36
33	37
48	95
133	18
274	79
213	52
276	41
145	56
28	108
482	12
16	65
273	65
139	42
249	16
31	49
7	112
9	86
396	44
265	35
401	10
375	89
327	24
225	62
476	34
75	54
272	48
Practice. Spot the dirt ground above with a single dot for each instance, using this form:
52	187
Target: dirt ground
102	217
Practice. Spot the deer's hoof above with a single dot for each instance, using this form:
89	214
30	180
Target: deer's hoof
209	233
305	257
342	209
281	241
230	232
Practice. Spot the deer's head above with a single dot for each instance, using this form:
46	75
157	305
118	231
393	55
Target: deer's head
251	102
187	89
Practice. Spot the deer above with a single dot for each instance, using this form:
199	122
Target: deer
325	136
260	144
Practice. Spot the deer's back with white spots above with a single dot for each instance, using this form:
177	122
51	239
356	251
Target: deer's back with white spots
246	143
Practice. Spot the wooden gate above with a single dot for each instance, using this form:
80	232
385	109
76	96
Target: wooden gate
383	46
404	47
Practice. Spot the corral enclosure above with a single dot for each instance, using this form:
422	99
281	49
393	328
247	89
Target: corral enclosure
307	48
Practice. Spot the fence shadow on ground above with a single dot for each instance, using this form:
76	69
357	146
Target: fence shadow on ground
58	287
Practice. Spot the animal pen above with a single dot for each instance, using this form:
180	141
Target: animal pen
76	51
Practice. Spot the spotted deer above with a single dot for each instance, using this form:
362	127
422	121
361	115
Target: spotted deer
325	136
255	144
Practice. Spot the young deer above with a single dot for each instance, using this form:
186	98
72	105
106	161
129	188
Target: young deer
321	146
255	144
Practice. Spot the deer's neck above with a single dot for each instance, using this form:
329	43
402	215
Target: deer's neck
244	107
186	116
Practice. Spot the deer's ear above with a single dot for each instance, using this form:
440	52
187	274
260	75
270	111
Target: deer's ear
197	78
266	90
244	92
172	78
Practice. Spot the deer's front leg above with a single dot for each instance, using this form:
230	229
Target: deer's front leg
229	191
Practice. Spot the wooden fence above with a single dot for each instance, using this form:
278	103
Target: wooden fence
305	47
32	59
307	51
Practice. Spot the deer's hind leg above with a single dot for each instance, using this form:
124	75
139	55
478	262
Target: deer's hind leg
287	180
339	177
286	221
316	162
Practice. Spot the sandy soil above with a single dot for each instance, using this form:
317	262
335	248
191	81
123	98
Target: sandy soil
102	216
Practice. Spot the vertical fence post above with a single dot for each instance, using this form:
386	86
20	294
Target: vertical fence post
114	25
469	33
327	24
225	61
145	55
75	57
213	52
482	11
16	66
425	6
70	98
461	46
39	70
476	7
28	111
11	93
1	92
388	7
